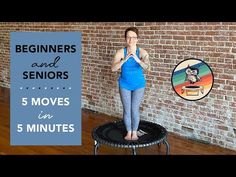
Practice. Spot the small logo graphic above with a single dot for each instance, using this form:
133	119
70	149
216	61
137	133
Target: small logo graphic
192	79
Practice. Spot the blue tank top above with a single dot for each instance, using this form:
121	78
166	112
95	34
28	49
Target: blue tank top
132	76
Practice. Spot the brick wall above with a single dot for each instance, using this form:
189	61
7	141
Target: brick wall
212	119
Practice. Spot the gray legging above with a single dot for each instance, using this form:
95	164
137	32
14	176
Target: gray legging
131	101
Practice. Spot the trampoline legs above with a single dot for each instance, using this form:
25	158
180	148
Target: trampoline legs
134	151
159	146
96	145
167	146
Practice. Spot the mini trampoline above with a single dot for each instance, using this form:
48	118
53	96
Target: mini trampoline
112	134
192	90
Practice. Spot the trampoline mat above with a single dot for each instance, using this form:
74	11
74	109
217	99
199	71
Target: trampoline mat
113	134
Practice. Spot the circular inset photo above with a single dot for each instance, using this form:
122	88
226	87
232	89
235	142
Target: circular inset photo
192	79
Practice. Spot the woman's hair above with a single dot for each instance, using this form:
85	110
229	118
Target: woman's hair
134	29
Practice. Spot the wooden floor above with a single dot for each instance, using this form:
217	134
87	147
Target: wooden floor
178	145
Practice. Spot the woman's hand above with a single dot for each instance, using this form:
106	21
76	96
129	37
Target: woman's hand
131	51
126	58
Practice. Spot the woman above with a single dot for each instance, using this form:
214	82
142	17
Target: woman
132	60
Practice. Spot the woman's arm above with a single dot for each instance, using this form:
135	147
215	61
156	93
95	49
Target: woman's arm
144	61
119	60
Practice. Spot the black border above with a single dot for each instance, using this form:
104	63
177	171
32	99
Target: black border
122	11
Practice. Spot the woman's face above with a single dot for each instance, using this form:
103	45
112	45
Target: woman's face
131	38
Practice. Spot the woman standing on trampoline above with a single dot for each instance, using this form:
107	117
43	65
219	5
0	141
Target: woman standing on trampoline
132	60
